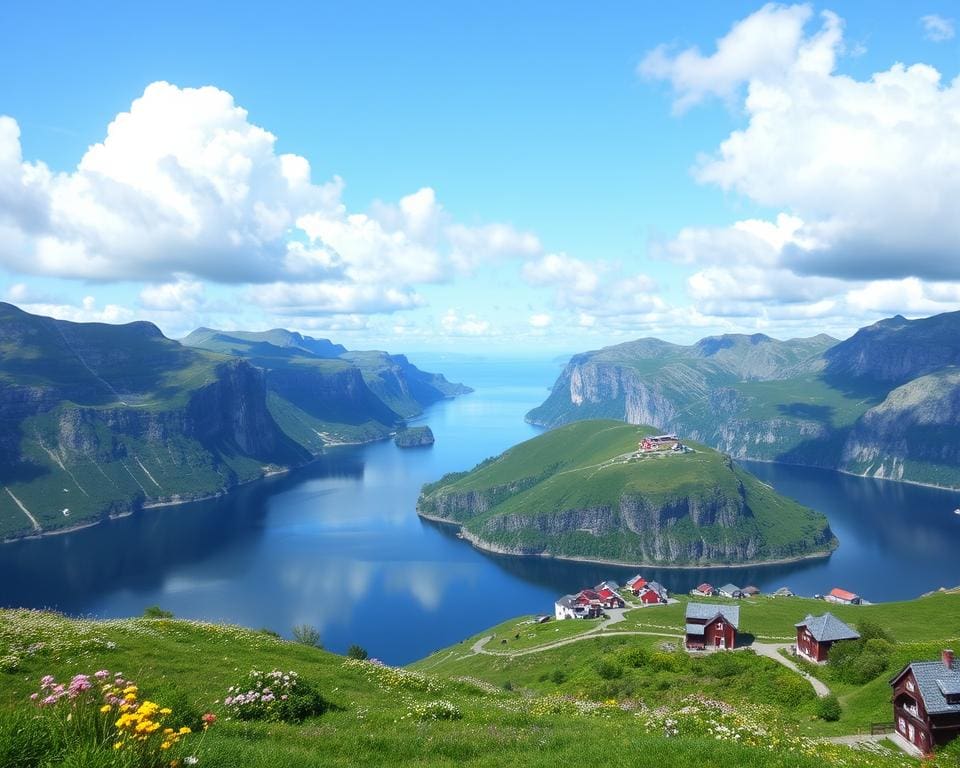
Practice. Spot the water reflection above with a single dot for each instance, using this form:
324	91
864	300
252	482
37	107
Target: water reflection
338	545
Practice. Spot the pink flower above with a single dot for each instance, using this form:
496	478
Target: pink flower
47	681
101	674
34	696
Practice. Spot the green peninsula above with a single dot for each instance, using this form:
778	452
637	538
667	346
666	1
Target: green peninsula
586	491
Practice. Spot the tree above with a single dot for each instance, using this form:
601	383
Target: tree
156	612
307	635
357	652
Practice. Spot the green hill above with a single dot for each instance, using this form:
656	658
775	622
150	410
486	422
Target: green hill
810	401
374	715
102	420
580	492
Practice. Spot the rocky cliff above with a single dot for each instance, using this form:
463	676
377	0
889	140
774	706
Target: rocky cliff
814	401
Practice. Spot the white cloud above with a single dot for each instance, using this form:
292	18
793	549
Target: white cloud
333	298
768	42
184	188
598	287
866	172
181	296
87	311
937	28
540	320
454	324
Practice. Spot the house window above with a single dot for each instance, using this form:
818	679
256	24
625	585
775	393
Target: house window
911	686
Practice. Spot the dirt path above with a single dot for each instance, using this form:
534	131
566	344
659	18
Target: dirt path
772	651
36	525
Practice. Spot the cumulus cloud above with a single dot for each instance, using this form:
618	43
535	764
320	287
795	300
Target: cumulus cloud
937	28
866	173
184	187
768	43
181	296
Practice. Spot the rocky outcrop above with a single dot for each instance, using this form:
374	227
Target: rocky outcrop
414	437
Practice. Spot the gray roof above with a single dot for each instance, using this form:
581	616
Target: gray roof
933	678
731	588
657	587
827	628
708	612
567	601
696	629
612	584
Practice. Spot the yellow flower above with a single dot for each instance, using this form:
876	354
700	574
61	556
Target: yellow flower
130	697
165	745
184	730
168	730
130	689
166	711
105	708
117	744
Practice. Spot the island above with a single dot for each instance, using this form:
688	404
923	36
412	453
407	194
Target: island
605	491
414	437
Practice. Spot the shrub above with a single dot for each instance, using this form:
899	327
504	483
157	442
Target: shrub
274	696
609	669
156	612
828	708
307	635
868	630
634	656
357	652
558	676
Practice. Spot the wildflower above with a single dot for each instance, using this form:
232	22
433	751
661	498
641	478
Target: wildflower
105	708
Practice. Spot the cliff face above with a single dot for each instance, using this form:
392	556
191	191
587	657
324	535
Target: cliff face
864	405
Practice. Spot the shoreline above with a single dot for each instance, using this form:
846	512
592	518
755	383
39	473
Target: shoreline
151	505
484	546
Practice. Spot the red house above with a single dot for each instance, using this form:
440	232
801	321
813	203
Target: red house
817	634
704	590
654	593
711	626
607	591
636	584
926	702
837	595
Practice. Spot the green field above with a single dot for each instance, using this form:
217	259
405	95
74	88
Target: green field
578	491
376	715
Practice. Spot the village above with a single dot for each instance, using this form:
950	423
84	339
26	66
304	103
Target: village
925	694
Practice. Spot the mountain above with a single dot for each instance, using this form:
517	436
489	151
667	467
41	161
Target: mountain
321	393
101	420
582	492
814	401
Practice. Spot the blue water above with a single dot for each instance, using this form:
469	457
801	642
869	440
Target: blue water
338	544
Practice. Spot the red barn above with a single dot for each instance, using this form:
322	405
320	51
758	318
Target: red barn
607	592
817	634
926	702
711	626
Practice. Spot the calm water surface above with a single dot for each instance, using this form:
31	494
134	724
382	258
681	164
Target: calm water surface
338	544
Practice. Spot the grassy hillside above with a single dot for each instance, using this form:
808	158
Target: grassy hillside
640	658
100	420
374	715
579	491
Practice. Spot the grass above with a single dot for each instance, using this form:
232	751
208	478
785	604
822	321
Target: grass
577	491
374	717
921	629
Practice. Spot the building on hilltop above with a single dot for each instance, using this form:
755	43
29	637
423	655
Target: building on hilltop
817	634
926	702
711	627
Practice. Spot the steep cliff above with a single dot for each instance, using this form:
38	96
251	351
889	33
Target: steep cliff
811	401
583	491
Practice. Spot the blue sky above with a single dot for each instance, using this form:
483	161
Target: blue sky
563	191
